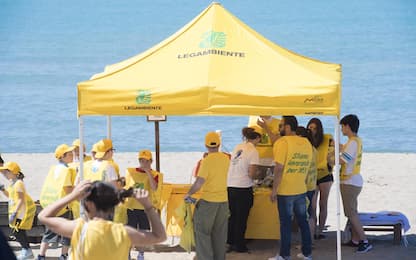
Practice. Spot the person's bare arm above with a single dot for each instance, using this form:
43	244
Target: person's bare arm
3	189
61	225
158	233
252	171
273	136
20	200
196	186
68	189
153	183
278	173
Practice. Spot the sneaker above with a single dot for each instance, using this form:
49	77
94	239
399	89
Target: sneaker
278	257
301	256
63	257
140	256
319	236
26	253
351	244
364	247
41	257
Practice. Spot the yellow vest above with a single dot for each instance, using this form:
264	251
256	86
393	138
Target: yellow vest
99	239
295	153
321	160
75	166
116	167
265	146
95	174
137	179
357	163
30	207
53	187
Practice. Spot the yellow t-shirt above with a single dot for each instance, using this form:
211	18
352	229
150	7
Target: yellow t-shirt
59	176
265	146
214	170
101	239
312	174
136	178
27	211
295	154
321	160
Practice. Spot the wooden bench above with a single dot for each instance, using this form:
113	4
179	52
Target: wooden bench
395	228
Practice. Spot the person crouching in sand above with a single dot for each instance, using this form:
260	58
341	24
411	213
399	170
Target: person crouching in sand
98	237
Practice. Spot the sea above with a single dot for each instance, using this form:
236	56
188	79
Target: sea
48	46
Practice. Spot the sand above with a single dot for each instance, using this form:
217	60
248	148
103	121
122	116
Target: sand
390	181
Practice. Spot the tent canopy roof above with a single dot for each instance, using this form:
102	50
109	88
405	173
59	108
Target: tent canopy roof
214	65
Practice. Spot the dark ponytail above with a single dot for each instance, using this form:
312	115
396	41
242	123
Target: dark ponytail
123	194
20	176
105	196
249	133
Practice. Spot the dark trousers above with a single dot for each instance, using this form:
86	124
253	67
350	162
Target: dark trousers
21	236
240	201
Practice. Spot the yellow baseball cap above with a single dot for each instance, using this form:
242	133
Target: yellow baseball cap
11	166
102	147
257	129
145	154
76	143
62	149
212	139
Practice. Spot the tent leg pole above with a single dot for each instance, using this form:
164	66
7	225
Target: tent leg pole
108	127
81	156
337	185
157	146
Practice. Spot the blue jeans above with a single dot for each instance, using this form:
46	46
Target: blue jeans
287	205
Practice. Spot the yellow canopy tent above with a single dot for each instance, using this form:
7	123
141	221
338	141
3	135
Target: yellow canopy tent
214	65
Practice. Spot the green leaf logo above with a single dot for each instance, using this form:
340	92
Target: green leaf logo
213	39
144	97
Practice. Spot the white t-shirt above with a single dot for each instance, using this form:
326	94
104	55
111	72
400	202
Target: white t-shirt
349	154
243	156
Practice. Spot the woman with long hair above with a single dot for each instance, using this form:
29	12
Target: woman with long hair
243	168
98	237
324	144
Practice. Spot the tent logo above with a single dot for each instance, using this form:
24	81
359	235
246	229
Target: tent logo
213	39
314	100
144	96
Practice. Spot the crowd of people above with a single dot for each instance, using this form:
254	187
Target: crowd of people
119	213
302	159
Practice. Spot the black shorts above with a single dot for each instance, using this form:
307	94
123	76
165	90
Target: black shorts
327	178
137	219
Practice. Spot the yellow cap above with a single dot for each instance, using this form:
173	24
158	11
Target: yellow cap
94	148
62	149
212	139
12	167
145	154
102	147
257	129
76	143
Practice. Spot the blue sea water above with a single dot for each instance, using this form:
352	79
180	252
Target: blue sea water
47	47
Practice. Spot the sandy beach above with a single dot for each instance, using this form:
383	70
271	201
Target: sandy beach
389	185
